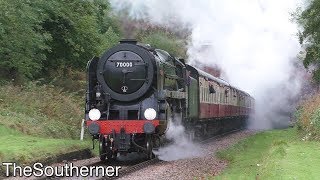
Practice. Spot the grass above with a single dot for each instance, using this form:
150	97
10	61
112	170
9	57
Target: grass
24	149
276	154
41	110
39	121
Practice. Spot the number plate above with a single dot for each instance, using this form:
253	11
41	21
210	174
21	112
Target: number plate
124	64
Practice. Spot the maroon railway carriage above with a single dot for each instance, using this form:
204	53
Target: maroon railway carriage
220	106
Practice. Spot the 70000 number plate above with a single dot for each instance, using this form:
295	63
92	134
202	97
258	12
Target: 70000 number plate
124	64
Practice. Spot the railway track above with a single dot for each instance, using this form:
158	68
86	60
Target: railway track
130	169
136	167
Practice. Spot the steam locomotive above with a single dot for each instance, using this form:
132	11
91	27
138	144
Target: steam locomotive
135	91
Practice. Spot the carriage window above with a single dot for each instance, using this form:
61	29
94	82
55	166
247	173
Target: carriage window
207	93
214	97
204	95
217	97
201	94
211	89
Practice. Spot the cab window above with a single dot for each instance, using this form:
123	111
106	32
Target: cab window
164	56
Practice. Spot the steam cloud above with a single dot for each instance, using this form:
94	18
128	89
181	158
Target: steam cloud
252	41
181	147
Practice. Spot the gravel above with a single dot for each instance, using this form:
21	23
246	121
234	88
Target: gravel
198	167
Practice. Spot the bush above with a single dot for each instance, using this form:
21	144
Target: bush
68	80
41	110
165	41
308	118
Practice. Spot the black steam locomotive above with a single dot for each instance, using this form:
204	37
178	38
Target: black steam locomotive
134	91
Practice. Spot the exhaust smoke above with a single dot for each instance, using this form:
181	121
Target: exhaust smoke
180	146
253	42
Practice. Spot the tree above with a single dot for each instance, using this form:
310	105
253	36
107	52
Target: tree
38	37
78	29
309	20
22	45
164	40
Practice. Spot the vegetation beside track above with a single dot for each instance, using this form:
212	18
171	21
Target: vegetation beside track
44	50
24	149
308	118
39	122
41	110
279	154
276	154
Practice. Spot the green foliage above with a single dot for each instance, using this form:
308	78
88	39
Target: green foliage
22	46
308	118
45	118
39	37
69	80
33	148
110	38
297	117
41	110
74	39
162	40
276	154
309	20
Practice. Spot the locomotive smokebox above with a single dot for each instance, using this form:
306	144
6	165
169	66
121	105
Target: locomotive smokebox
126	71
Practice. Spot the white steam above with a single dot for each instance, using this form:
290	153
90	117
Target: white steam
252	41
180	147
